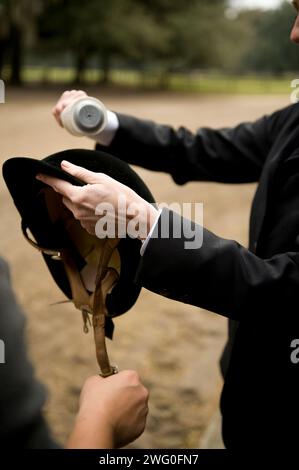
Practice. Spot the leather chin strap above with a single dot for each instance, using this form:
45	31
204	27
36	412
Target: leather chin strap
95	303
105	280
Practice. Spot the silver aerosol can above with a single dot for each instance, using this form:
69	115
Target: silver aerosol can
85	116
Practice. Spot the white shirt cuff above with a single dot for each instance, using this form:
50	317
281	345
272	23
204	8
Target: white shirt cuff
106	136
145	242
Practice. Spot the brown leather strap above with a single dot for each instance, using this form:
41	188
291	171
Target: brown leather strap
80	297
94	304
104	281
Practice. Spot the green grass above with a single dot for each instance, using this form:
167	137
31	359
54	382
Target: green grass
204	83
232	84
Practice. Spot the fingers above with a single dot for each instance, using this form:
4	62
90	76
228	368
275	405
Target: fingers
68	204
88	224
81	173
56	111
86	220
130	376
66	98
60	186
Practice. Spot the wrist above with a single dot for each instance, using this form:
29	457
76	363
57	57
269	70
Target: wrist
91	431
140	219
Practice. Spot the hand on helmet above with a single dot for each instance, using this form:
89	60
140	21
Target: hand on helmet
103	199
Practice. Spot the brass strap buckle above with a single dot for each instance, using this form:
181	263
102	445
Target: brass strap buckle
56	254
113	370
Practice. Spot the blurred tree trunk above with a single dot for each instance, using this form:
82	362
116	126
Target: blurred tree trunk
16	43
3	49
20	19
81	62
106	69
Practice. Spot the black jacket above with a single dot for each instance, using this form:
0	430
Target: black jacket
256	288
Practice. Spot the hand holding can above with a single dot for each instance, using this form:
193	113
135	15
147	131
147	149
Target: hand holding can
84	116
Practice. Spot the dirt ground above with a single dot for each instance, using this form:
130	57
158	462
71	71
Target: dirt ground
174	347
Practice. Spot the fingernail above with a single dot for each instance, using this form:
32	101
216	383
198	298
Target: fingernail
39	177
65	163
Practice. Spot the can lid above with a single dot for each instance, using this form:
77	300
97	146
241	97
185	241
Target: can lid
89	117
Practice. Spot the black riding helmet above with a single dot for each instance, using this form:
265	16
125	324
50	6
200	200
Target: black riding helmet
67	248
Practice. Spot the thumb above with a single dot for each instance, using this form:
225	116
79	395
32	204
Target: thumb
81	173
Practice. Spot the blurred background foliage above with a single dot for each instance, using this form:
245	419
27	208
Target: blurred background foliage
154	43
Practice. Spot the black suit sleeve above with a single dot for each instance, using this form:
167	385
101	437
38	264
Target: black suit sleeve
21	396
233	155
221	276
